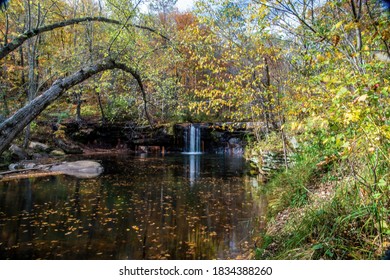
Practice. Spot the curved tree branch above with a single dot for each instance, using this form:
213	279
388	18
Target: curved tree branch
12	126
137	77
19	40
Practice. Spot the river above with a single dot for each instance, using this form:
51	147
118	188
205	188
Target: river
142	207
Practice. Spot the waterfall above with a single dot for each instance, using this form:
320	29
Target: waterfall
192	140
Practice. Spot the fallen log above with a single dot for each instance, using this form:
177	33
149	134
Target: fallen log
83	169
17	171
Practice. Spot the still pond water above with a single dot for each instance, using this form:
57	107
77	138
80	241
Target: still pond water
141	207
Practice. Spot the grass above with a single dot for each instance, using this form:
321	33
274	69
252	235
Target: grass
290	188
351	223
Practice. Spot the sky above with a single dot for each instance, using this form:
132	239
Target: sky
184	5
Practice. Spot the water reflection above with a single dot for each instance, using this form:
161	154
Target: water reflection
176	207
192	164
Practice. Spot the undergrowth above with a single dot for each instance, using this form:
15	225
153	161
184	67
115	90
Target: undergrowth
289	189
351	223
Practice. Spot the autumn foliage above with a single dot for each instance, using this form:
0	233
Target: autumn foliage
314	71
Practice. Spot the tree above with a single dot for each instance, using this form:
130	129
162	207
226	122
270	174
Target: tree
68	48
234	59
11	127
19	40
162	6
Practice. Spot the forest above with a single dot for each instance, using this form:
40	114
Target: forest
309	80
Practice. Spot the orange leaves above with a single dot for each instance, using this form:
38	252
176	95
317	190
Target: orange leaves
184	20
136	228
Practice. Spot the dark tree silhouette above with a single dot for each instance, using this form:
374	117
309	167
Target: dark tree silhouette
3	4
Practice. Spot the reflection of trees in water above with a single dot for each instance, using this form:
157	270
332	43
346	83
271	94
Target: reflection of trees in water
217	222
15	230
133	216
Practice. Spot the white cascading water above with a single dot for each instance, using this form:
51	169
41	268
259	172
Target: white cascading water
192	138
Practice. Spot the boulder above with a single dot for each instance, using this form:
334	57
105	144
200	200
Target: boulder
39	147
22	165
79	169
18	152
38	156
68	147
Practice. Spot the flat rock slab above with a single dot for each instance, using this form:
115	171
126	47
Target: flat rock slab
80	169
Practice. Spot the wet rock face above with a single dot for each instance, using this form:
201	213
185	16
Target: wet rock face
118	135
18	153
216	137
79	169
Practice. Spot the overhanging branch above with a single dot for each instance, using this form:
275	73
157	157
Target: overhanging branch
15	124
19	40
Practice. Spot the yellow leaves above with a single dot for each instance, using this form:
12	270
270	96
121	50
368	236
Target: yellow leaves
320	58
352	116
342	92
319	122
297	126
338	25
351	25
325	79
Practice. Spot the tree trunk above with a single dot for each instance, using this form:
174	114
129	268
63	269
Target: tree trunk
103	116
79	101
32	56
32	83
11	127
